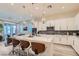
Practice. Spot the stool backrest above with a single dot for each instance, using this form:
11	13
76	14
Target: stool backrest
9	40
38	47
15	42
1	38
24	44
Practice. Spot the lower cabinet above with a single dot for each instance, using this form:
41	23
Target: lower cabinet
56	39
61	39
64	40
76	45
70	40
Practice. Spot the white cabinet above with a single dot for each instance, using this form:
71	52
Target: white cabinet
67	40
64	39
41	26
76	44
61	39
77	21
56	39
70	40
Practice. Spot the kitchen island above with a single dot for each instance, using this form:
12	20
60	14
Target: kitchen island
39	39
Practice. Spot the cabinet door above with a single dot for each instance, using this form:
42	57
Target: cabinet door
64	39
56	39
70	40
76	45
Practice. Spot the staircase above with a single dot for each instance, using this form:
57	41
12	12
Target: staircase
64	50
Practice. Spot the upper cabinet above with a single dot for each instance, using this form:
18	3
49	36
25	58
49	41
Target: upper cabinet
70	23
63	24
77	21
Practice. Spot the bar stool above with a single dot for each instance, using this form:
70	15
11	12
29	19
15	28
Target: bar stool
15	43
9	40
9	45
1	38
24	45
37	47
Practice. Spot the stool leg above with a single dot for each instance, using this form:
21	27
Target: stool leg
12	52
19	49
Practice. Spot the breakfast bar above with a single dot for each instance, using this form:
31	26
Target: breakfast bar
48	43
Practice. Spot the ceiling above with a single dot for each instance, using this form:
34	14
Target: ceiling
37	11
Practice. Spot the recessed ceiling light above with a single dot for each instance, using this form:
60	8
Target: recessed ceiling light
49	6
23	6
43	19
24	22
20	17
12	4
31	15
53	4
63	7
36	8
32	3
44	12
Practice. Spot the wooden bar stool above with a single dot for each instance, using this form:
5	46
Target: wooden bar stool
1	38
24	45
9	40
15	43
37	47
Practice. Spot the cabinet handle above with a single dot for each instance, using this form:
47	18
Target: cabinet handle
73	42
59	39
